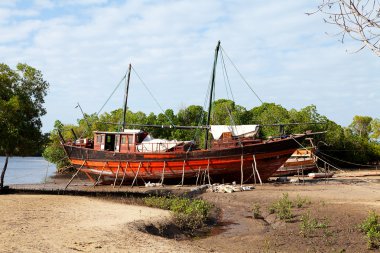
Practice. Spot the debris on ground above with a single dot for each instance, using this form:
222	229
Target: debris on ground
149	184
228	188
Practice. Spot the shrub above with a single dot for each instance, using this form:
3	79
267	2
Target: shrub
159	202
256	211
188	214
309	225
371	227
282	208
300	202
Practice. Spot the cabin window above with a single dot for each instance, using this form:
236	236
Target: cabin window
139	138
103	138
110	142
123	139
98	139
130	139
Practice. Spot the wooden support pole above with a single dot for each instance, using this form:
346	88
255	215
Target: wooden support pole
76	173
183	172
117	173
163	173
138	170
101	173
298	174
254	173
89	177
208	171
198	174
241	170
257	171
303	175
125	172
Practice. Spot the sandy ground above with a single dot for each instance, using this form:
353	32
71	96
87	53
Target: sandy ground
43	223
51	223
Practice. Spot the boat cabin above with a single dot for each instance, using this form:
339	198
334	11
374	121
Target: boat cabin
132	140
118	141
226	136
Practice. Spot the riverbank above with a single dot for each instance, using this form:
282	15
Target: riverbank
68	223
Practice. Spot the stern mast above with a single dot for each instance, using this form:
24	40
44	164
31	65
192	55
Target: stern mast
211	92
126	95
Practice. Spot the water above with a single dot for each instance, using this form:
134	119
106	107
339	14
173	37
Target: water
26	170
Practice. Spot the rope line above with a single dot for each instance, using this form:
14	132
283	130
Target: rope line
242	77
226	78
151	94
358	178
357	164
114	90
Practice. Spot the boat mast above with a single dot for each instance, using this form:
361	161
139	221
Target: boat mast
126	95
212	91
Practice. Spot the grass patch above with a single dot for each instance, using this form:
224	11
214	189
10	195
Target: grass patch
188	214
256	211
371	227
300	201
282	208
310	224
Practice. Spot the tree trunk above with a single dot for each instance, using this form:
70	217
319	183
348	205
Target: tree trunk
3	172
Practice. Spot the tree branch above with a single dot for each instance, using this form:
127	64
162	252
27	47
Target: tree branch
356	18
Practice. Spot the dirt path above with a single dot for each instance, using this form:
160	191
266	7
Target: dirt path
46	223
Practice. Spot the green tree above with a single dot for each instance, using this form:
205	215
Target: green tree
361	126
375	127
22	93
226	112
190	116
54	151
163	119
269	113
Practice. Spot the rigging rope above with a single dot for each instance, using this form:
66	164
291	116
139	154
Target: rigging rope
242	77
155	100
368	181
201	117
226	78
117	86
275	117
357	164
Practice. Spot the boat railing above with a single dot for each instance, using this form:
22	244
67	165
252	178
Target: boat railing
228	143
158	147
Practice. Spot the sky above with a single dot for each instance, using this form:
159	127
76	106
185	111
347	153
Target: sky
83	48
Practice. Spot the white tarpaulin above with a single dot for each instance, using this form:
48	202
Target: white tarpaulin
240	130
150	144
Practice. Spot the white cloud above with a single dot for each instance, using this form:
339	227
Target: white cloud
83	2
7	3
43	4
84	49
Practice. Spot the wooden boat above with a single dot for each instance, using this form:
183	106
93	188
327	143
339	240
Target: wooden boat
235	154
225	161
301	162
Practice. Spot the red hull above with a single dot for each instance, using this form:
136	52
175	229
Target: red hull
231	164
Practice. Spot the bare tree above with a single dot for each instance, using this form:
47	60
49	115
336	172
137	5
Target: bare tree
358	19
